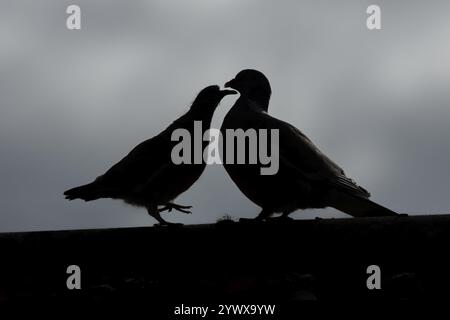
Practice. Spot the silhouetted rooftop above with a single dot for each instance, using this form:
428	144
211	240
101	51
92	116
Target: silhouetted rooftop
272	262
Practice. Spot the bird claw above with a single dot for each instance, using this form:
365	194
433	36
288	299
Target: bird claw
170	206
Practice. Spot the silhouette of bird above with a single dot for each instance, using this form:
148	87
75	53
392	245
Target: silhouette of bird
147	176
306	178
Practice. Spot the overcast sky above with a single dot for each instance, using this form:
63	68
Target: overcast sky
72	103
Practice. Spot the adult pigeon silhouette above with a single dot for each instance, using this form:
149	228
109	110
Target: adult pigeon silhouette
147	176
306	178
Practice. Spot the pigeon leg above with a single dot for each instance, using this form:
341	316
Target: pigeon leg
154	212
263	215
170	206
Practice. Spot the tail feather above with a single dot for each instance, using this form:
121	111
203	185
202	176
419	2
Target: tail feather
86	192
358	206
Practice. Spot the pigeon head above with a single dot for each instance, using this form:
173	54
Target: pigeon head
210	97
254	85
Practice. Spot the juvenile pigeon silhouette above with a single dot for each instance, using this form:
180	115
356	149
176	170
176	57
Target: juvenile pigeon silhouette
306	178
147	176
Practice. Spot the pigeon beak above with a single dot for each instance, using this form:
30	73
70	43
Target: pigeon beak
230	84
227	92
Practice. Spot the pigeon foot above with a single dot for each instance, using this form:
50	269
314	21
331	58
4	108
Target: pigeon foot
171	206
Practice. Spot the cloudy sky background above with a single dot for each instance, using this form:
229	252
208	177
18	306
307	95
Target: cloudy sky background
72	103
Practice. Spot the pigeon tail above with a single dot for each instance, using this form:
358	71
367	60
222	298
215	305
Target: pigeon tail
358	206
87	192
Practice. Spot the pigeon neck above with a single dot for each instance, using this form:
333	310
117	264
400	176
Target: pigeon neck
203	114
194	115
258	104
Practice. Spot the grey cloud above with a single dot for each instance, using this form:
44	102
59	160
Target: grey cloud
73	103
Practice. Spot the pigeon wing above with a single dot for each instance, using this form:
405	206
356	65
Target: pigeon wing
305	160
145	161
